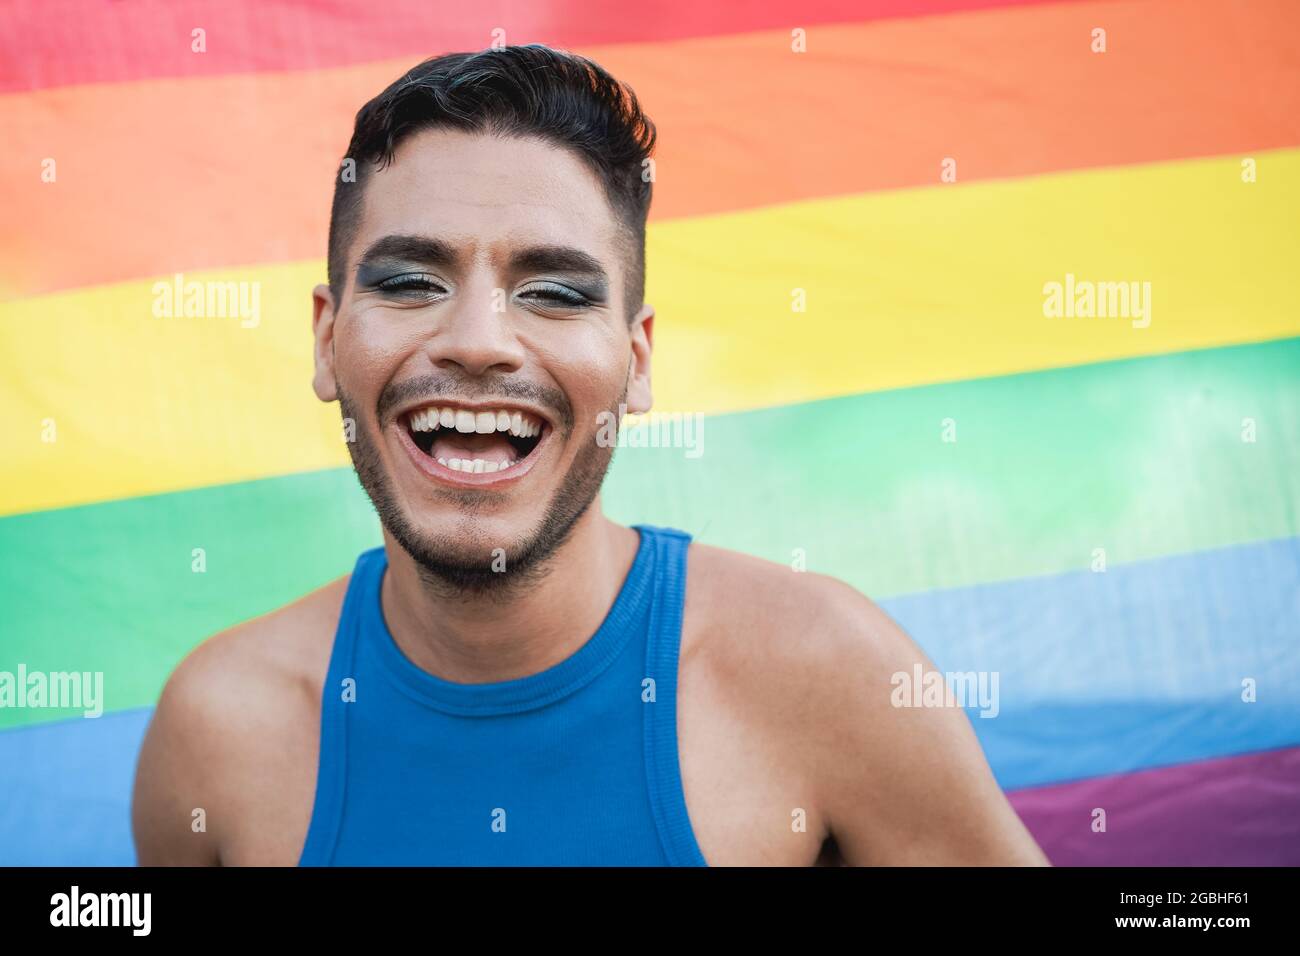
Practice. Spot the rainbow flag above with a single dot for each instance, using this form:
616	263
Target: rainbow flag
992	307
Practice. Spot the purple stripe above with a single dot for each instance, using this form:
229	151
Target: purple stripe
1228	811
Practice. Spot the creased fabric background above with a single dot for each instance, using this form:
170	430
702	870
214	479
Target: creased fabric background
848	254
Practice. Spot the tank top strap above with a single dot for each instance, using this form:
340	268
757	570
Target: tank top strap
363	587
663	646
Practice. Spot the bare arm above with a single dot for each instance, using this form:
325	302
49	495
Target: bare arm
168	808
228	769
903	785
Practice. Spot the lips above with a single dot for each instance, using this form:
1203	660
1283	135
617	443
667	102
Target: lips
473	444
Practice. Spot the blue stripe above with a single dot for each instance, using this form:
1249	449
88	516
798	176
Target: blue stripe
1139	666
65	790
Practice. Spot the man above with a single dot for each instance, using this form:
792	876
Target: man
513	678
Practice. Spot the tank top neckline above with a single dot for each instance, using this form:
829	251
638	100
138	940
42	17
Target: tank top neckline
524	693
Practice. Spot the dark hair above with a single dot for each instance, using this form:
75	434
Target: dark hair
532	90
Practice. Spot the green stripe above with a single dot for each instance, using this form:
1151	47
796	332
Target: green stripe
109	587
1143	458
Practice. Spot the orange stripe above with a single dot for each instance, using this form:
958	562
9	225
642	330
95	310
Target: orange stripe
210	172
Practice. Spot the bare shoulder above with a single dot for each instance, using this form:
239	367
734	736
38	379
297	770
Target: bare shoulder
755	614
813	662
233	728
268	652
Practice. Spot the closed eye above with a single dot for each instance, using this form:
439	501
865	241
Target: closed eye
412	285
554	295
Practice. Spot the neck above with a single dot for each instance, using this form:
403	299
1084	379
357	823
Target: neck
474	639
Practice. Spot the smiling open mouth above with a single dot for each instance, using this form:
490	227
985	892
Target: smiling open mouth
478	441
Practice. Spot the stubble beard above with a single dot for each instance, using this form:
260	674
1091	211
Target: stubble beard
466	564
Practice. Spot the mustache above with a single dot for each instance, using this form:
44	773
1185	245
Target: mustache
482	390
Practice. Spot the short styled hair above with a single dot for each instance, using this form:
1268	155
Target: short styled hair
532	90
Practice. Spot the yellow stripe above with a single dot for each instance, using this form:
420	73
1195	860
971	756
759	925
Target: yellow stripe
946	283
902	288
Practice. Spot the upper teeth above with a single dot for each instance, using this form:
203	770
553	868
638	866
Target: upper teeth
484	423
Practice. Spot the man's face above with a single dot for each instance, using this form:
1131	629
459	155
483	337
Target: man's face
479	337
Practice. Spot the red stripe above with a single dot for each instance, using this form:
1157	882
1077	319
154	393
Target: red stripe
46	43
1231	811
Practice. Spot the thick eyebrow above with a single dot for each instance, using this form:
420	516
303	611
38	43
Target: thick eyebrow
564	259
419	250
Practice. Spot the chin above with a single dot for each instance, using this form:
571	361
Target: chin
471	541
474	554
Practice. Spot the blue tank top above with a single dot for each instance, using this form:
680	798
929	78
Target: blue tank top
575	765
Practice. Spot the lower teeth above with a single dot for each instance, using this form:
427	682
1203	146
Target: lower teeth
475	466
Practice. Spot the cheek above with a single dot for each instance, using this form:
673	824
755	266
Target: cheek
590	365
367	350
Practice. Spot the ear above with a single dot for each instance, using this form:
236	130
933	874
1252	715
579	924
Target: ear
322	327
639	398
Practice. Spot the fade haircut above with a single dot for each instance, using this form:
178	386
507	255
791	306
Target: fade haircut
558	97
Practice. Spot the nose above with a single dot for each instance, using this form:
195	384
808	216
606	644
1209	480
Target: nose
474	335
